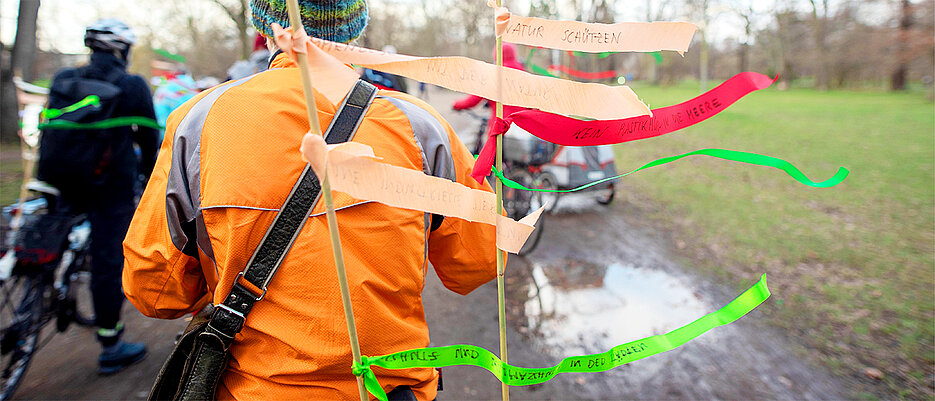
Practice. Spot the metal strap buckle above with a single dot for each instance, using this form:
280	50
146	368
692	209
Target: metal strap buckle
231	310
237	280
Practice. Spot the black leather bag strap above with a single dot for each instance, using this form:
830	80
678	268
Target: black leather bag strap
228	317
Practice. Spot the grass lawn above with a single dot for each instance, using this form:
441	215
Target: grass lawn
851	267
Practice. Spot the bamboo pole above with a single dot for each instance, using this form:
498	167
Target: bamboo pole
296	21
501	297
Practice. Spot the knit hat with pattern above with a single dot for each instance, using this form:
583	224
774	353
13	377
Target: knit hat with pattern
334	20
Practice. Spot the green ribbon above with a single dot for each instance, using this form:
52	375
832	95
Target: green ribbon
103	124
537	69
518	376
91	100
744	157
658	57
169	55
586	54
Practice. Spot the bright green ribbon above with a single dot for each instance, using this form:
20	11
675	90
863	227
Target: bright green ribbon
103	124
91	100
539	70
518	376
169	55
599	55
744	157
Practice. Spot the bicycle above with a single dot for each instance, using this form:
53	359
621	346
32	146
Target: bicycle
480	135
43	266
50	271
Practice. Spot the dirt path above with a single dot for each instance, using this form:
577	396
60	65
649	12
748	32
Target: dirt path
601	282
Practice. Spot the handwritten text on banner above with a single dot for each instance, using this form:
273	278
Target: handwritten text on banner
352	170
594	37
520	88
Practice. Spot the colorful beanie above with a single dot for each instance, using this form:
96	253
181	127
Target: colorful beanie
334	20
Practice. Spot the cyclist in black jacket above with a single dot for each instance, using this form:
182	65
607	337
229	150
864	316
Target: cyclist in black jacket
109	198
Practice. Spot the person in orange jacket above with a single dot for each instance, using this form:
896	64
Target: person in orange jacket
229	160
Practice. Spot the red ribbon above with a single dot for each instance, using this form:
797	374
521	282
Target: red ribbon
573	132
584	74
489	152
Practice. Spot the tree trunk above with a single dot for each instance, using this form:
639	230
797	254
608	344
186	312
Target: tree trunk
24	46
898	80
9	108
819	24
745	47
243	23
703	56
241	17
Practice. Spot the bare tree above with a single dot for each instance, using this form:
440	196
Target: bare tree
9	108
19	61
820	26
700	11
744	10
238	11
898	80
24	45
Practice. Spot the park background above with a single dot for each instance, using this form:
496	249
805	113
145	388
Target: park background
852	268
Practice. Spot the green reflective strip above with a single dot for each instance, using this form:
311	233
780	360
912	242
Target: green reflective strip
518	376
744	157
91	100
104	124
110	332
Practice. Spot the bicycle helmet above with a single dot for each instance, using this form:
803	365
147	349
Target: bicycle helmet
109	35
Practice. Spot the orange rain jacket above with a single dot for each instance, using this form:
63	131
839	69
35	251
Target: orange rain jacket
229	160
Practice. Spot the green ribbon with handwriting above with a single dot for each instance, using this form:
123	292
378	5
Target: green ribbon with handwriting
473	355
91	100
103	124
733	155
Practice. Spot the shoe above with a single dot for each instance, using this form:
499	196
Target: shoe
119	356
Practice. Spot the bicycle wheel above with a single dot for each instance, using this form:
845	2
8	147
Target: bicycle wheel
537	200
75	294
516	202
549	199
24	299
605	196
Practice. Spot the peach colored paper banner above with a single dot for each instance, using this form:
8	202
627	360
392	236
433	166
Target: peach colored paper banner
593	37
352	170
332	78
479	78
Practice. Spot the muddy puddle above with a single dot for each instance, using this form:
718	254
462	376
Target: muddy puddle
581	307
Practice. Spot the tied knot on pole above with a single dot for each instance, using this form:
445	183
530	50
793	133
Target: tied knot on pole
362	368
501	17
485	159
290	41
370	379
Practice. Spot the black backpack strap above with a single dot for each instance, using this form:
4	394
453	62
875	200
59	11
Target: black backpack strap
250	285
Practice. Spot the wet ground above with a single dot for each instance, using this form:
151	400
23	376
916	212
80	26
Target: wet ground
594	282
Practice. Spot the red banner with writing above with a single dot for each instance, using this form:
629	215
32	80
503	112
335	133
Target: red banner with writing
573	132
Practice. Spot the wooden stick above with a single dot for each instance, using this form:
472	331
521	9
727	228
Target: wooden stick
501	297
296	21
